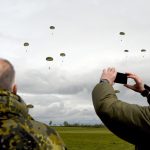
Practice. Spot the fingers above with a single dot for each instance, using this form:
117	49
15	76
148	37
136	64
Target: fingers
133	76
109	74
138	86
104	70
111	69
129	73
129	86
137	79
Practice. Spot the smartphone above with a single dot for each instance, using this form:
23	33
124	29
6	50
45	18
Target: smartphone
121	78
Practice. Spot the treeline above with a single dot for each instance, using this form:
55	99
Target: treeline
67	124
83	125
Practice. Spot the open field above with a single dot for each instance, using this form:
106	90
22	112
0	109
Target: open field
83	138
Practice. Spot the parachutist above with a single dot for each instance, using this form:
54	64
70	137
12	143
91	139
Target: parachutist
52	28
26	44
122	34
62	55
49	59
143	51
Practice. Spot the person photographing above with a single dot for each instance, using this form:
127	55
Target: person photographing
130	122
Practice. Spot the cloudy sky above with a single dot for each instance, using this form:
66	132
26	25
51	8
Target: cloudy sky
88	32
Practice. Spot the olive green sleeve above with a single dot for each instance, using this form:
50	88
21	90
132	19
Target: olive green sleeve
128	121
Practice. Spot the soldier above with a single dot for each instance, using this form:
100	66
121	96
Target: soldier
18	130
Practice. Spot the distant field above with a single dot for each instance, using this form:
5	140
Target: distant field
78	138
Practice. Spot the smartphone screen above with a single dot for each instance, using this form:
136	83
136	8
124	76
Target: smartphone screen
121	78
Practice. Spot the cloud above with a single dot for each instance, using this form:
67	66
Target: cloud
60	108
64	96
54	82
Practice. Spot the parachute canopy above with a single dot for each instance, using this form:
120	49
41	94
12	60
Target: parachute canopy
117	91
122	33
143	50
126	50
30	106
52	27
62	54
49	58
26	44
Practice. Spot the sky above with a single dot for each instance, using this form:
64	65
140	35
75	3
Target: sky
87	31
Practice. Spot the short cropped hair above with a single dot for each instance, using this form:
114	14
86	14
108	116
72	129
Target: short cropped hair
7	74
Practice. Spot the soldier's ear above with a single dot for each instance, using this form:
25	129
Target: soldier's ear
14	89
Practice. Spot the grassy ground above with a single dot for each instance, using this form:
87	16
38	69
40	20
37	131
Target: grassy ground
78	138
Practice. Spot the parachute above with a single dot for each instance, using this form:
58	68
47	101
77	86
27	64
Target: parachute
49	59
117	91
52	27
62	55
126	54
122	33
26	44
30	106
126	51
143	50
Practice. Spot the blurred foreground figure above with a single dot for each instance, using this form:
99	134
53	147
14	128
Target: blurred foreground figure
18	130
128	121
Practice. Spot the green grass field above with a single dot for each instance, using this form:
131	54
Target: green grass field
82	138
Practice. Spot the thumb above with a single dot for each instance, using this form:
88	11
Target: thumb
129	86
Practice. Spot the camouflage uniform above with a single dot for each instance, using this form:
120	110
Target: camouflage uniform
19	131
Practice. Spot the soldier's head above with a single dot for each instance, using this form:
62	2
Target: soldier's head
7	76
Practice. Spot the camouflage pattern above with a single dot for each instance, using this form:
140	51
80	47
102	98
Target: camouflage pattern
19	131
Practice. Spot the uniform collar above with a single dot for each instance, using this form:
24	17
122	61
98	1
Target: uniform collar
11	103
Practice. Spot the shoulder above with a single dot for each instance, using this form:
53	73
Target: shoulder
38	133
45	131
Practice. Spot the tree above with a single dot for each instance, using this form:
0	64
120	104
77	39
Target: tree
50	123
66	124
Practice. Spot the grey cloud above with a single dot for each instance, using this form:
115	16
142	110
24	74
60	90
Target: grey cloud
37	82
60	108
65	82
59	114
131	97
60	96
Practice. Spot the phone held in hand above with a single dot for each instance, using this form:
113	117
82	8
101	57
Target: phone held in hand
121	78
